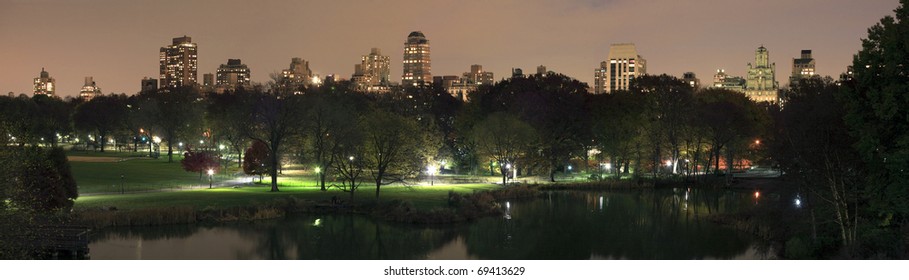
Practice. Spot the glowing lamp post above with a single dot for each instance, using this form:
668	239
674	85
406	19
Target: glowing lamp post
211	172
432	172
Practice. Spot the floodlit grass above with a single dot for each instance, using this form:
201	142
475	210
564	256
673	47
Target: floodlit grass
139	173
423	197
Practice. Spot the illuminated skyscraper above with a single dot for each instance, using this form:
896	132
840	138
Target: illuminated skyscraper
179	63
373	72
44	84
761	85
621	66
417	70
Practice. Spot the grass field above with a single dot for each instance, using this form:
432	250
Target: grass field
101	173
424	197
150	183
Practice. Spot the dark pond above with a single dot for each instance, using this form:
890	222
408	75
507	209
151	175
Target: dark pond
651	224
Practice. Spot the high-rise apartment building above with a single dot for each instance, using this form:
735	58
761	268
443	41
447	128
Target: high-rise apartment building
44	84
297	75
621	66
417	70
232	75
760	84
373	73
802	68
89	89
179	63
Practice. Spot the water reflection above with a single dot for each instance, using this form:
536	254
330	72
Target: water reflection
660	224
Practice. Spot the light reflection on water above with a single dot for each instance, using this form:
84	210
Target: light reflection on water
663	224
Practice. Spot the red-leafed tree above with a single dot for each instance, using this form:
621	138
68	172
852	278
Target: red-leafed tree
255	161
199	161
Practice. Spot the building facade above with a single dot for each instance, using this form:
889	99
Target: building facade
691	80
89	89
232	75
621	66
724	81
45	84
417	62
149	85
297	75
802	68
761	84
373	74
179	63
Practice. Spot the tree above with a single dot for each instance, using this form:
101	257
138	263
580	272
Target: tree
227	115
55	118
727	118
617	119
199	161
814	148
255	160
102	116
392	145
41	180
176	113
275	120
330	119
503	138
669	100
876	109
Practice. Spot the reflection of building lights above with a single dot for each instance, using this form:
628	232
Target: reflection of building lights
317	222
757	194
798	202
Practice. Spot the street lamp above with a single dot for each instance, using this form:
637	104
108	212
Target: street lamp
210	173
432	172
318	170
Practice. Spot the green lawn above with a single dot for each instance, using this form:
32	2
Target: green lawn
139	173
424	197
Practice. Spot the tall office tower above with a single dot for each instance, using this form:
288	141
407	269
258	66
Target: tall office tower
179	63
44	84
802	68
298	74
373	72
90	89
233	74
416	60
691	80
621	66
149	85
761	85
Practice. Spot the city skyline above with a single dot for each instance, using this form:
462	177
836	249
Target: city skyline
121	46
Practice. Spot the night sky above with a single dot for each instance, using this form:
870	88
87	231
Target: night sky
117	42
